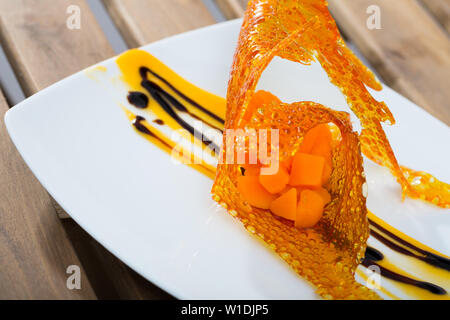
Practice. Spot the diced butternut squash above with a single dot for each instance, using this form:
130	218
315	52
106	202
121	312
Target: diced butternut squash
322	143
275	183
287	188
323	150
299	192
259	99
295	192
287	164
253	192
309	141
324	134
300	189
286	205
324	194
307	170
326	173
309	210
251	169
318	134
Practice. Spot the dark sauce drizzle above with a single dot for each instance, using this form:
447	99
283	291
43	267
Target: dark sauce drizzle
155	92
426	256
138	99
373	254
435	289
166	101
137	123
177	104
143	72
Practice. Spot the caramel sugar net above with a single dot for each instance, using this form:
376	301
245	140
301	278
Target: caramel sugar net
304	31
328	254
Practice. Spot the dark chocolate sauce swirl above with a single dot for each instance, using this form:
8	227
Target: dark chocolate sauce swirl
435	289
143	72
155	92
373	254
137	123
178	105
138	99
425	256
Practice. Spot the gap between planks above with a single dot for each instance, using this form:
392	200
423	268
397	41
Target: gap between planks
142	22
440	9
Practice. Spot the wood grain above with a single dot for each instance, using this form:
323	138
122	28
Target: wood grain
42	51
41	48
34	248
232	9
141	22
441	11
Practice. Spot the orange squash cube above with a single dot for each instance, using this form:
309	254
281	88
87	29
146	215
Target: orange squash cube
307	170
259	99
286	205
309	140
275	183
326	173
323	150
253	192
324	194
317	135
251	169
287	164
309	210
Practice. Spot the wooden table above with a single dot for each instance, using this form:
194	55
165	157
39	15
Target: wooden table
411	53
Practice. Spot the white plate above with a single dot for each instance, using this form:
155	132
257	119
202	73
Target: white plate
158	217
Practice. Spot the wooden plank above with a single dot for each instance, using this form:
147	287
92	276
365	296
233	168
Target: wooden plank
34	249
441	11
232	9
42	48
410	51
42	51
141	22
